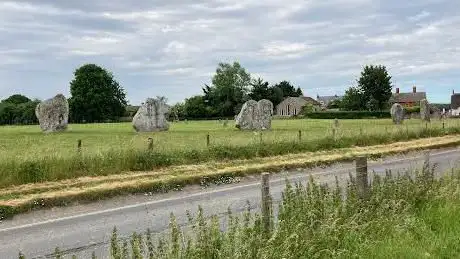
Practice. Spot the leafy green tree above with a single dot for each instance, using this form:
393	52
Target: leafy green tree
375	83
288	89
353	100
96	95
195	107
260	90
334	104
17	99
276	95
229	89
177	111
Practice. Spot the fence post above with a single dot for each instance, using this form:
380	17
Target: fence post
336	123
426	161
334	133
361	177
266	200
207	140
300	135
150	141
79	146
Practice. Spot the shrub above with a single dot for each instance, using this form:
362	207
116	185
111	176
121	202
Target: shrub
348	115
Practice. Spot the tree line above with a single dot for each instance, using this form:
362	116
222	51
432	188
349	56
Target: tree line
97	97
231	86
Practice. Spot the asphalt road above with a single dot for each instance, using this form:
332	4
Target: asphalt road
82	229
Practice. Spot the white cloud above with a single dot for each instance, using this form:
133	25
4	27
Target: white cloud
320	45
419	17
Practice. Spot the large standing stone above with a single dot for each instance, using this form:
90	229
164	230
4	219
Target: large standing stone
151	116
255	115
397	113
424	110
53	114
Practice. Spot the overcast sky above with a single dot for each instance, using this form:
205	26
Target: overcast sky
172	47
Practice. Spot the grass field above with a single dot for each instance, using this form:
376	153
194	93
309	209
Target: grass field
412	215
30	156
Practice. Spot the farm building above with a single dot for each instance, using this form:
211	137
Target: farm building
407	99
291	106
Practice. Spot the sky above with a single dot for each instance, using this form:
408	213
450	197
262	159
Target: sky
172	47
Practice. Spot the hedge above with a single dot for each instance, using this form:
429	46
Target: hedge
348	115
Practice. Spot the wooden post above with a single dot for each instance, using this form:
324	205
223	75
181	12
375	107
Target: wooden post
361	177
266	213
300	135
426	162
443	126
334	133
260	137
79	146
336	123
150	141
207	140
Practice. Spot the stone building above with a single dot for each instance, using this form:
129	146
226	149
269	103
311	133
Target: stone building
326	100
291	106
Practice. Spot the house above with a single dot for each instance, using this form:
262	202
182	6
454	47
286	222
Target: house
291	106
407	99
326	100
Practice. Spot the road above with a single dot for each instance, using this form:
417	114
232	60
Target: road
82	229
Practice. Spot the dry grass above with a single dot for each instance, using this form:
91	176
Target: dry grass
23	197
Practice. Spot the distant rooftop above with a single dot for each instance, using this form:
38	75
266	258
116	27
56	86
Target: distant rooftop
411	97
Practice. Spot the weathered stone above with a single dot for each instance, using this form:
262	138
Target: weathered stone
53	114
255	115
424	110
397	113
151	116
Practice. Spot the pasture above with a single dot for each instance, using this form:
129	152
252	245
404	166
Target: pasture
29	156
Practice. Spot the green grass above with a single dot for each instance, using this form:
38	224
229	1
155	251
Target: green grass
29	156
403	217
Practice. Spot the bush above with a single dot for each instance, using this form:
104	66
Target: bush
348	115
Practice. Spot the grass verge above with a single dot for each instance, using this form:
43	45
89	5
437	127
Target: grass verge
22	198
411	215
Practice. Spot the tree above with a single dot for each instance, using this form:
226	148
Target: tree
260	90
353	100
195	108
17	99
288	89
276	95
96	96
335	104
229	89
375	83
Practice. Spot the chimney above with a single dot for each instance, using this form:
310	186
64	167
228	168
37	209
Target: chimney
453	91
414	89
397	90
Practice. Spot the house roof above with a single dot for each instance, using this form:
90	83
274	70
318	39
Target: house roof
407	97
327	99
310	100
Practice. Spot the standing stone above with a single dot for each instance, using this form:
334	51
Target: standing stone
255	115
425	110
265	112
151	116
53	114
397	113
